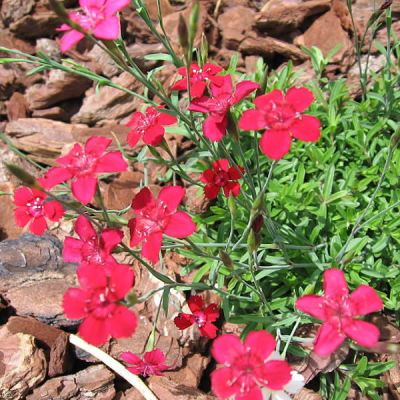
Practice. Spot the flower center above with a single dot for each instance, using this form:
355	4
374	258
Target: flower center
280	116
35	207
221	179
338	311
153	219
200	318
146	121
244	371
101	303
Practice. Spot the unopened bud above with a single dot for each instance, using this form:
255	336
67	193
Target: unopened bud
194	22
232	206
257	224
258	204
23	176
131	298
183	33
252	242
226	259
203	50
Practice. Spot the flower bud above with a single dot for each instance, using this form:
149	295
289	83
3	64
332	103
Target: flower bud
252	242
203	49
232	206
258	204
131	298
193	22
183	33
25	177
226	259
258	223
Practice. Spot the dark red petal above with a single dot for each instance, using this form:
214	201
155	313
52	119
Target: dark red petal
84	229
212	69
135	235
38	226
235	172
122	323
226	348
363	333
180	85
275	374
232	189
335	285
222	164
214	129
154	357
74	303
111	162
172	196
212	312
53	210
221	85
180	225
306	128
261	343
152	246
252	120
22	216
143	199
208	330
313	305
243	89
275	144
207	176
84	189
195	303
264	101
364	300
328	340
97	145
211	191
197	89
94	330
299	98
133	138
183	321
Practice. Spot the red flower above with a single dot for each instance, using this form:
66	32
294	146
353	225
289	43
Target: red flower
280	116
149	126
81	166
217	106
338	310
222	176
98	302
202	317
198	77
154	217
32	209
153	363
91	248
247	366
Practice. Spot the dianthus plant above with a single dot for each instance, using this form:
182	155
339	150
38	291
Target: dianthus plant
238	137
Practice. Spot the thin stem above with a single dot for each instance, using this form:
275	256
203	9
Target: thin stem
114	365
290	338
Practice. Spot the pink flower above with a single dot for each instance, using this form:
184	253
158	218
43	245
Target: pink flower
82	164
202	317
149	126
33	209
221	176
153	363
248	367
91	247
339	311
198	77
281	116
98	302
217	106
98	17
154	217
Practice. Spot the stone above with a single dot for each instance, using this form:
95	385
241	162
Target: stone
270	48
23	365
94	383
53	341
8	228
59	86
232	32
284	18
109	103
11	42
54	113
17	107
326	39
8	81
13	10
195	201
48	47
45	139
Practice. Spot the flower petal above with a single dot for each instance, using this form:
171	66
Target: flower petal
313	305
38	226
363	333
226	348
94	330
364	300
74	303
211	191
255	393
252	120
243	89
84	189
108	29
275	374
275	144
114	6
23	195
335	285
53	210
133	137
221	383
299	98
22	216
208	330
130	358
212	312
166	119
97	145
111	162
261	343
214	129
84	229
183	321
70	39
171	196
264	101
121	280
122	323
154	135
197	89
72	250
195	303
152	246
110	238
180	225
328	340
91	276
55	176
143	199
306	128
